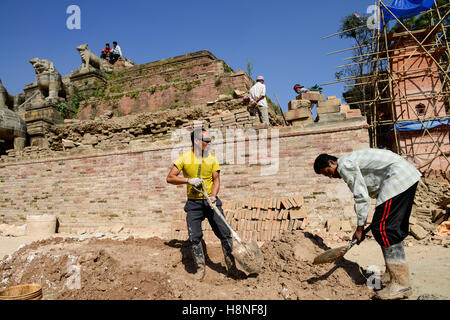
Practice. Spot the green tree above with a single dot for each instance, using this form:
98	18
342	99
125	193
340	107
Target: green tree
249	68
354	27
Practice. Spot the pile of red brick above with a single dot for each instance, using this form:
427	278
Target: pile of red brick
255	218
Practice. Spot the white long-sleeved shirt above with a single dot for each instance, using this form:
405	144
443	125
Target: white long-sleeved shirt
375	173
117	50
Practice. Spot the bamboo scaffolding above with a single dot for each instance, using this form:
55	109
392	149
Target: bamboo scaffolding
409	98
415	39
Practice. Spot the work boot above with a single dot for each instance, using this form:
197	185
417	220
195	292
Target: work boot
227	248
385	278
199	258
397	267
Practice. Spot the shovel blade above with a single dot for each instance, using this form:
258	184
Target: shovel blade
331	255
249	256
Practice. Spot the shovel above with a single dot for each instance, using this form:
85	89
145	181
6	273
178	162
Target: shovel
248	255
335	254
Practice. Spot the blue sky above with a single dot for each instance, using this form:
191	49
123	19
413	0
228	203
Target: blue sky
283	39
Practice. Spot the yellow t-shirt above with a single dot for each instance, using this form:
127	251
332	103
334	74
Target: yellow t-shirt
194	167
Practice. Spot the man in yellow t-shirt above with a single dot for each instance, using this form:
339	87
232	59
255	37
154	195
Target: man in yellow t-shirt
196	165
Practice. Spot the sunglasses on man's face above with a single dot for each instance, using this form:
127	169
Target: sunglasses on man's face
207	140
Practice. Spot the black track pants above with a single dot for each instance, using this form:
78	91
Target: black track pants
390	223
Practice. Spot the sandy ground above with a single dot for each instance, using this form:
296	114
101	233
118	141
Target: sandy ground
152	268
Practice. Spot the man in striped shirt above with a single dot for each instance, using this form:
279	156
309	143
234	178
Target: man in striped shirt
387	177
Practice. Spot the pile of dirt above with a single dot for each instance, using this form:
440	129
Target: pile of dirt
75	268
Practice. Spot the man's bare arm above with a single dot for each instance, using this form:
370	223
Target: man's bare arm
216	185
173	177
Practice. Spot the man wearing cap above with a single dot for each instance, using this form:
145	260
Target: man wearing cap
300	89
196	165
258	98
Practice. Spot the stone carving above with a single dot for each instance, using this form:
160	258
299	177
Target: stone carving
10	101
6	100
12	128
48	80
88	58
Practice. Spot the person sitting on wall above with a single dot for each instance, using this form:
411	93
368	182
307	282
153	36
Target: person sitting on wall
105	53
300	89
115	54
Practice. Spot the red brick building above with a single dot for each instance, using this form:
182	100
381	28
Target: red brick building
418	95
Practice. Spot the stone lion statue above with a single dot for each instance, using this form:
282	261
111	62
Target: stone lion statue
88	58
48	79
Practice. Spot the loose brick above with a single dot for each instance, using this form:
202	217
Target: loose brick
329	106
304	223
280	215
278	204
285	204
312	96
291	225
299	200
292	202
262	215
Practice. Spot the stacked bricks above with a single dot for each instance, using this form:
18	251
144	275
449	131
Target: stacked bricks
238	119
330	110
299	113
350	113
260	219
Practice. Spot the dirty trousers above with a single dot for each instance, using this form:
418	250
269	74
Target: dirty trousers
197	211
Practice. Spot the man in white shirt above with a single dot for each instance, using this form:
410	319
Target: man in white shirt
115	53
258	98
387	177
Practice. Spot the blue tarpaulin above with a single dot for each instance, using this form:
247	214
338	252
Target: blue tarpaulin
401	8
417	125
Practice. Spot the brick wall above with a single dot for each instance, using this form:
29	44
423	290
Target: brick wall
182	81
129	186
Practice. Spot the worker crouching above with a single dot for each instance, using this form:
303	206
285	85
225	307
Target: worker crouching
387	177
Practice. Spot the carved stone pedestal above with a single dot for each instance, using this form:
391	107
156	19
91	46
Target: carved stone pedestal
87	80
39	118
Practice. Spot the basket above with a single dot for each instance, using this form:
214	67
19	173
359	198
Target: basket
22	292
